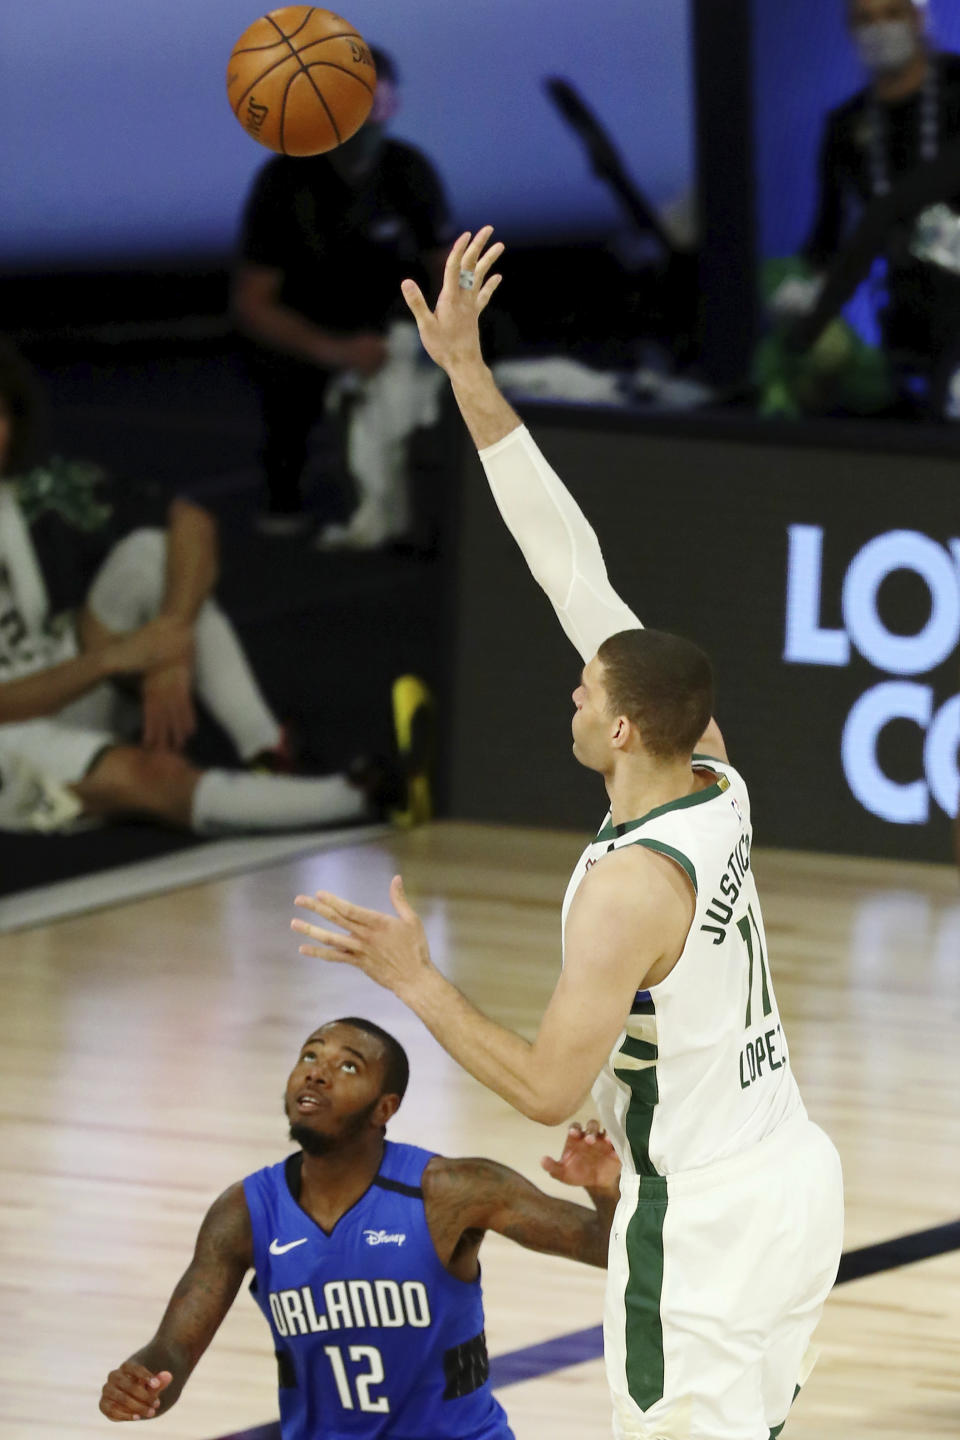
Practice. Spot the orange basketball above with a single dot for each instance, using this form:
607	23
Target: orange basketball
301	80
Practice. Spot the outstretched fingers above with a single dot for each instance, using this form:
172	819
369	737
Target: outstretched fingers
467	253
398	898
455	262
345	946
337	910
337	954
486	294
416	303
348	943
475	248
569	1168
488	258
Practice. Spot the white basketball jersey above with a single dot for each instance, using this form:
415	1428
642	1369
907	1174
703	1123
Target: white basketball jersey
28	641
701	1070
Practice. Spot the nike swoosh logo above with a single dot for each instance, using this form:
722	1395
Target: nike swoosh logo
277	1249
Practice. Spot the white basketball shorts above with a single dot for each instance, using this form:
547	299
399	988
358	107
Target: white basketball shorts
716	1281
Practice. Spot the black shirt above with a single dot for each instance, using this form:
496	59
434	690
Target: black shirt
924	315
342	249
845	167
76	525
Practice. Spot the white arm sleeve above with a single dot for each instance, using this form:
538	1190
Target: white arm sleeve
557	542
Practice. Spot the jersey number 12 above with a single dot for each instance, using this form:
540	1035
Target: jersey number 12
362	1380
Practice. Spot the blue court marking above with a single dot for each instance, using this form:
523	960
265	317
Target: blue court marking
533	1361
904	1250
550	1355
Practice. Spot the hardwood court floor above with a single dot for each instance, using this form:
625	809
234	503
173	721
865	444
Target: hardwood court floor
143	1051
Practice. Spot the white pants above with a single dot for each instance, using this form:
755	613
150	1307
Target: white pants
716	1282
128	591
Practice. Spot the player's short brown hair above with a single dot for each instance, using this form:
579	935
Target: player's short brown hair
663	684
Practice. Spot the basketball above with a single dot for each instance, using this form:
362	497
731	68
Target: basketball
301	80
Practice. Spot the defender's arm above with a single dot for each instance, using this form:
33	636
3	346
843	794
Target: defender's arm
464	1198
150	1381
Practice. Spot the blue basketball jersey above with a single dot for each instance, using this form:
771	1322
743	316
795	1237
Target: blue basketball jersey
373	1336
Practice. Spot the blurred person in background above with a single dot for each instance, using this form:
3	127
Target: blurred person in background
100	677
325	242
878	149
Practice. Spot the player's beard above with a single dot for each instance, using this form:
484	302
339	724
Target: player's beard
322	1142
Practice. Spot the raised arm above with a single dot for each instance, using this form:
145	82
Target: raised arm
150	1381
551	530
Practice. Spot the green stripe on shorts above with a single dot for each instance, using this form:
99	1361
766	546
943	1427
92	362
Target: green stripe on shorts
775	1432
644	1098
644	1329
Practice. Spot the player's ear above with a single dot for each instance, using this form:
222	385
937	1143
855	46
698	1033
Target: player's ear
385	1109
620	733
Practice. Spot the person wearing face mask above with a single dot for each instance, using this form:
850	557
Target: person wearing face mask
877	148
325	242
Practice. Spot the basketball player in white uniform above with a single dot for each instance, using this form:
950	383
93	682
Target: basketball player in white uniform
728	1233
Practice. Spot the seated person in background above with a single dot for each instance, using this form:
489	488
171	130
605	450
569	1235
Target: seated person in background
75	742
354	1238
901	122
325	243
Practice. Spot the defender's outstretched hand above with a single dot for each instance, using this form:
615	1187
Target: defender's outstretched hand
391	949
588	1159
449	333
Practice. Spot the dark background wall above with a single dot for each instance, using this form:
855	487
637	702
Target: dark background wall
695	529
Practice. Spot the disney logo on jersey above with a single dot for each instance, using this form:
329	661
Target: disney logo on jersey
380	1237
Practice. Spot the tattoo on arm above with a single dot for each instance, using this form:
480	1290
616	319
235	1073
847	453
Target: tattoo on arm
482	1195
204	1293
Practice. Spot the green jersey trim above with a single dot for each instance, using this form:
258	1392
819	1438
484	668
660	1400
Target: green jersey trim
677	856
638	1071
642	1294
614	832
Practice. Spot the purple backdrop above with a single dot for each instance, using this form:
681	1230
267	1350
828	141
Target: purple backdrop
118	139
